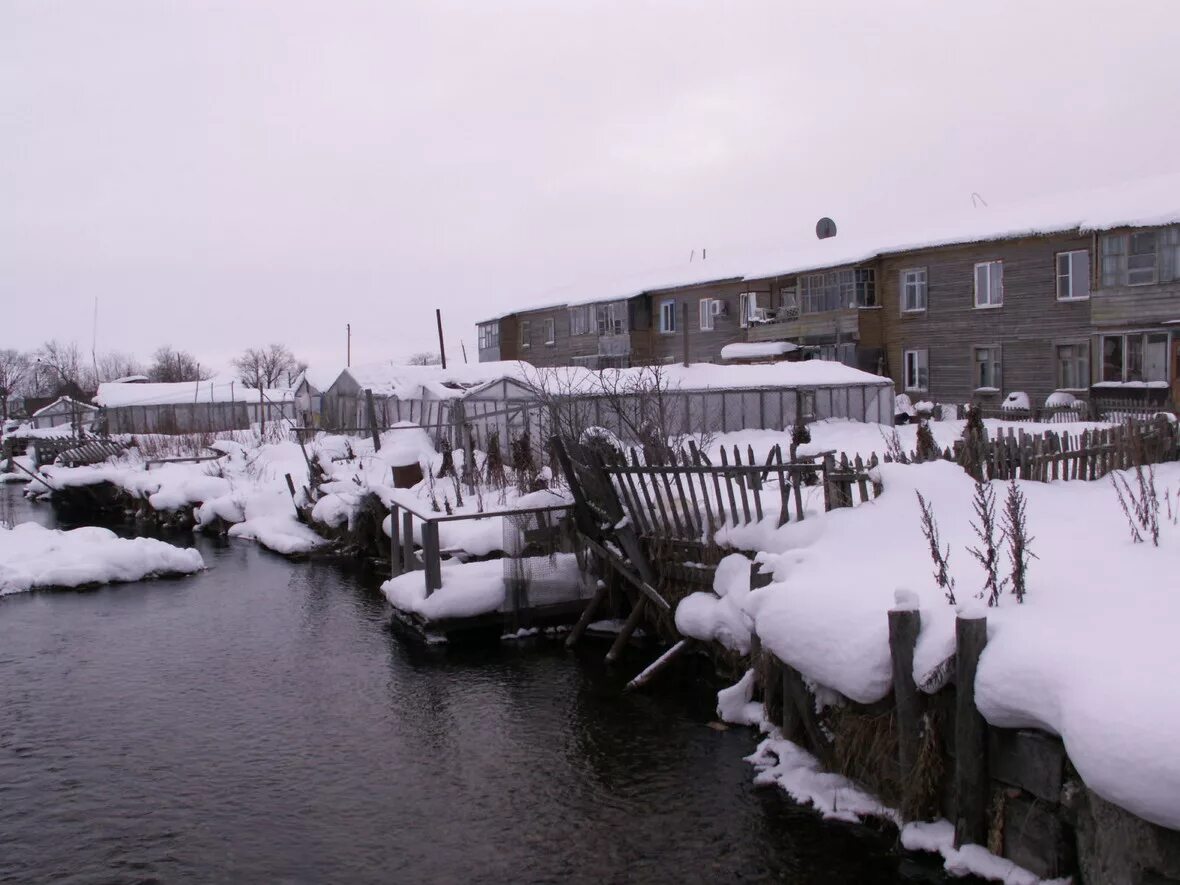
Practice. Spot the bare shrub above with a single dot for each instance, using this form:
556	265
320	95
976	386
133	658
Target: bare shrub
941	559
1141	504
1015	528
927	449
893	448
988	551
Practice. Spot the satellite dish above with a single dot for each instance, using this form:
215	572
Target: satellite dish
825	228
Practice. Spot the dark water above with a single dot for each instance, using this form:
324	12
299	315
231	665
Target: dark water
259	723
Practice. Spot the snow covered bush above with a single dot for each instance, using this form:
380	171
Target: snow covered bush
1062	399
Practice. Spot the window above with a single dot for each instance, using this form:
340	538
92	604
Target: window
748	310
788	300
913	290
1141	258
705	313
987	368
667	317
917	376
489	335
1139	356
1073	275
525	333
1073	366
579	320
989	284
611	319
866	287
550	331
813	294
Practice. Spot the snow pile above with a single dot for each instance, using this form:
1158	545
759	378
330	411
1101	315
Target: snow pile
754	350
468	589
32	556
718	616
1062	399
1016	402
825	615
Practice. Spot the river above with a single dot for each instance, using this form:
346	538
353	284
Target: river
259	722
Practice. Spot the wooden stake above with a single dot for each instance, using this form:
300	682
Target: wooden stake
971	785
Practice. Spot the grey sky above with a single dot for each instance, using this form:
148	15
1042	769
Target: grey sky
227	174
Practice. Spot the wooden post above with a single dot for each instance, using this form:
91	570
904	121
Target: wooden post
684	329
372	420
627	629
291	489
659	664
261	409
407	541
431	556
395	540
588	613
442	347
905	622
829	467
971	785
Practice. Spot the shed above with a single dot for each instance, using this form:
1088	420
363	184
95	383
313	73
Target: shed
308	393
190	406
63	412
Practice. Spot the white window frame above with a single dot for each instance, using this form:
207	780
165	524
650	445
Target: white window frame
1069	278
919	286
995	281
996	363
608	321
550	331
489	335
705	314
525	333
668	317
921	361
1074	345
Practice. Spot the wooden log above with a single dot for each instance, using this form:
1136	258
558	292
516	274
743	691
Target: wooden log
971	782
587	614
804	704
904	626
627	629
653	669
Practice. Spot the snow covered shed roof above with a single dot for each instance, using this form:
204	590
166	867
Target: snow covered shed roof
63	404
389	379
319	378
756	350
218	390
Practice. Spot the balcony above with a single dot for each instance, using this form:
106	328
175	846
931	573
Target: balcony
789	324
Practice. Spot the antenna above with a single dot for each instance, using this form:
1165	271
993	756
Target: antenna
94	341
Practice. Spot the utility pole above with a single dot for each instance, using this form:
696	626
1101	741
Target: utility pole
442	348
348	353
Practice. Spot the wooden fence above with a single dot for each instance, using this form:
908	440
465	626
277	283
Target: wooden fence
694	498
1088	455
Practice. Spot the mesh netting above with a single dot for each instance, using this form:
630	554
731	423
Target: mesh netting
542	563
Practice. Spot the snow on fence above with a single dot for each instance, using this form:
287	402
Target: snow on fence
538	575
1088	455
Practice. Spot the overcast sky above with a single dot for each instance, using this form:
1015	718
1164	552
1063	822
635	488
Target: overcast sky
228	174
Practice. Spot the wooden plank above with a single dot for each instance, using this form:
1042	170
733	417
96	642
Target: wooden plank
742	485
621	565
971	782
690	516
651	510
431	556
395	540
1031	760
677	522
655	667
587	615
627	629
643	519
729	488
407	541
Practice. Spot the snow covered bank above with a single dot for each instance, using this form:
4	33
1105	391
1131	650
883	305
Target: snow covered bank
1086	657
32	557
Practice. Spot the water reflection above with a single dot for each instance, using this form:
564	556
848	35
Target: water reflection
260	722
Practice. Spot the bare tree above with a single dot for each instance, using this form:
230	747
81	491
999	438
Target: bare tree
424	358
118	365
14	373
267	366
64	364
170	366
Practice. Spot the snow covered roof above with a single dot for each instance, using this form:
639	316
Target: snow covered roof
56	406
131	379
218	390
319	377
390	379
754	350
712	376
1142	202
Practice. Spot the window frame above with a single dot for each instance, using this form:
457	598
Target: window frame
705	317
989	265
995	362
1070	253
904	284
666	327
550	326
919	365
526	331
579	321
489	335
